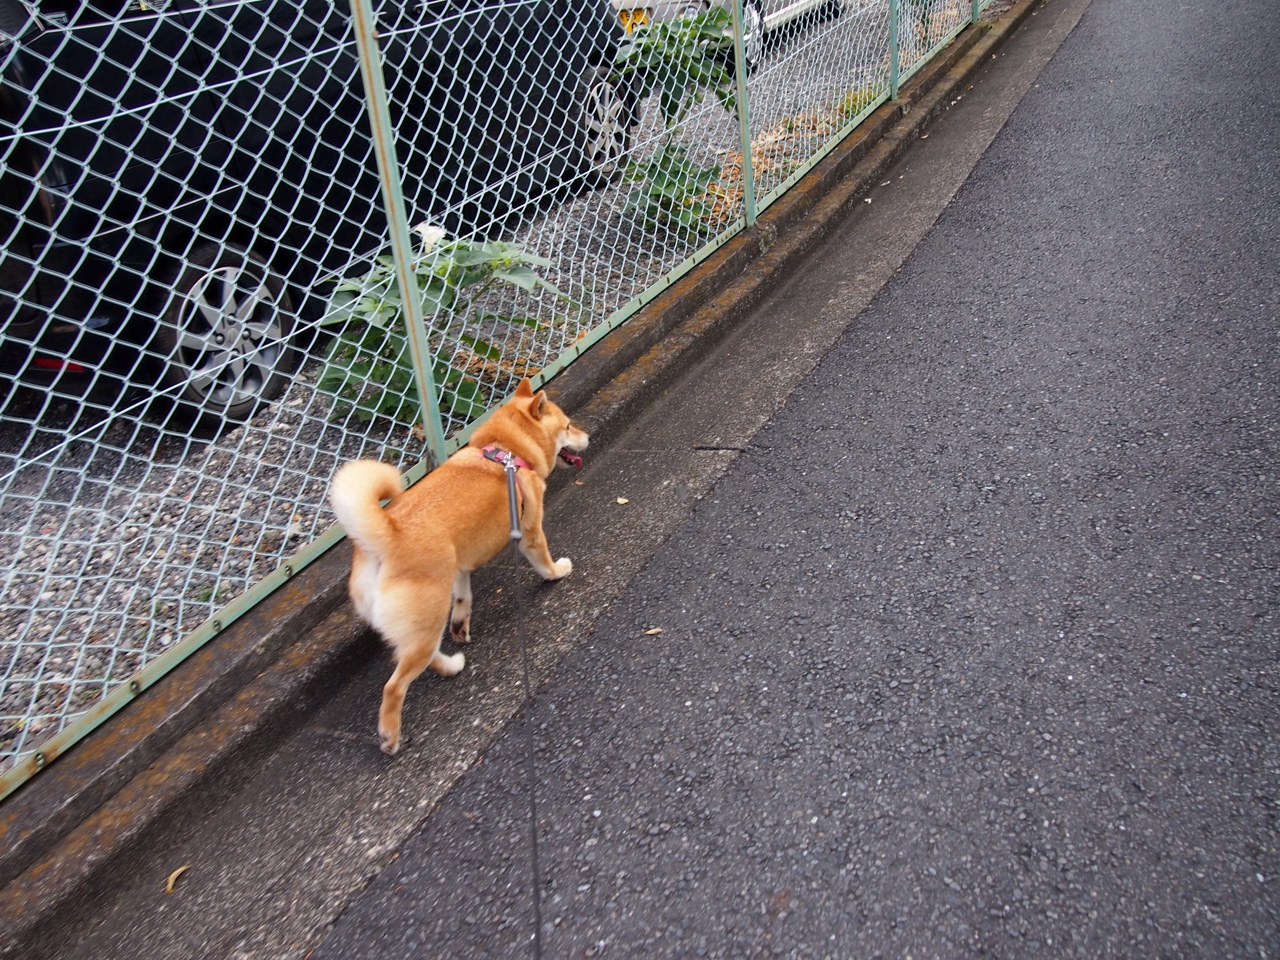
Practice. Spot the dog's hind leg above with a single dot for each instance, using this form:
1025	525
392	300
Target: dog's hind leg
417	644
460	622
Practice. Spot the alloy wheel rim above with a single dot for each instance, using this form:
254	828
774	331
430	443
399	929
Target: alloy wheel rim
605	128
230	338
752	34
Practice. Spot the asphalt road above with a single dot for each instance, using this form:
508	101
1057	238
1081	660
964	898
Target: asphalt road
972	649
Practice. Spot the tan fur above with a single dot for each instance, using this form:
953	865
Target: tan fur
411	573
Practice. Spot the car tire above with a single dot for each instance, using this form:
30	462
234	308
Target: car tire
831	10
223	340
603	128
753	34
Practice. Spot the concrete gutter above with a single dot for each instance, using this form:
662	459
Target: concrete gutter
234	700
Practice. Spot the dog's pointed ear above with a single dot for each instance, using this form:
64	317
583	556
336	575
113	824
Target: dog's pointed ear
525	389
539	405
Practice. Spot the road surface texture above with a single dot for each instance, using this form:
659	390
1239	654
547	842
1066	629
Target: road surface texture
972	648
964	554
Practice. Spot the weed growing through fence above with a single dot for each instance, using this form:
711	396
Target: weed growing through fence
368	366
672	190
685	59
854	102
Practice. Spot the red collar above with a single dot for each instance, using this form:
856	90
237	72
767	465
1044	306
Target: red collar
498	455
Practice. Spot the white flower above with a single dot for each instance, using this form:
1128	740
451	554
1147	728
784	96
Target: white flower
430	234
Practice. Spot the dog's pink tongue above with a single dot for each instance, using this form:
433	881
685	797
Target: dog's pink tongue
572	459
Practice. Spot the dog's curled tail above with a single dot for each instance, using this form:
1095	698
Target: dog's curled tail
355	493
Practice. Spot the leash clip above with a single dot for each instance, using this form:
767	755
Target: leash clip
510	464
513	505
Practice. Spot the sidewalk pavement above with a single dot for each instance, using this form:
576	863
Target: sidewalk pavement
966	589
972	650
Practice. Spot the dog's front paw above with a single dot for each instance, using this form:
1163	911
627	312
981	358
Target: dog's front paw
389	741
561	569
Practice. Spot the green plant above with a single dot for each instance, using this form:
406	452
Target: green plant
672	189
854	102
686	58
368	365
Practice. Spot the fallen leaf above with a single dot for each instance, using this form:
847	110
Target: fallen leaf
623	500
654	632
173	877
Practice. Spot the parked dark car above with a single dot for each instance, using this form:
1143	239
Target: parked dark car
178	176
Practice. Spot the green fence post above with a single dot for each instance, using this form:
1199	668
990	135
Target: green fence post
893	49
401	246
977	11
744	121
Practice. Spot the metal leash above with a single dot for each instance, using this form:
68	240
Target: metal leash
509	467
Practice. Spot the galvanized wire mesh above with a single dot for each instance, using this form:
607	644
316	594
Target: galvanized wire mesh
825	70
201	317
925	24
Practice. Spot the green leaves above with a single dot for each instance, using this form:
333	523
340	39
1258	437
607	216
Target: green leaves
368	365
685	58
672	190
361	356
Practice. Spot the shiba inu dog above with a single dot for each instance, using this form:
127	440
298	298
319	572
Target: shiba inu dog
413	559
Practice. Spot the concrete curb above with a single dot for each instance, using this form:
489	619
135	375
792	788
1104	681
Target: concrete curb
232	701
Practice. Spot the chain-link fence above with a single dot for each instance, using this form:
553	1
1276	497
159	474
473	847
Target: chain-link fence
206	309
